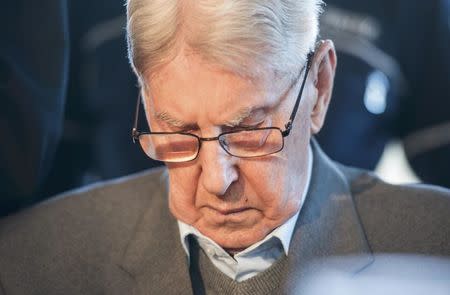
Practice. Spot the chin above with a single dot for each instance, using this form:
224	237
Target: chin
235	238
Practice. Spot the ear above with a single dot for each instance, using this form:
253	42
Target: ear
323	70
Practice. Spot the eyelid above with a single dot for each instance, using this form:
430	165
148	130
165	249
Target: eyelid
183	129
254	125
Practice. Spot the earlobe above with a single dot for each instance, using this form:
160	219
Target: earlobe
324	67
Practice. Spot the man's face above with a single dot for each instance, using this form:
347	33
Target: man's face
236	202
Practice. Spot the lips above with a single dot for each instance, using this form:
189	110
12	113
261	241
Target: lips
229	217
231	211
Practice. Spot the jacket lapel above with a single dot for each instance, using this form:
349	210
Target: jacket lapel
328	225
154	257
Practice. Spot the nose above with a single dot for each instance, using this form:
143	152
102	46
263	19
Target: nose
218	168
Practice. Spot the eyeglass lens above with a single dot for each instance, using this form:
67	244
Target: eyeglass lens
175	147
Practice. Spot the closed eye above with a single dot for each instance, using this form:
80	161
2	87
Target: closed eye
168	127
251	126
245	126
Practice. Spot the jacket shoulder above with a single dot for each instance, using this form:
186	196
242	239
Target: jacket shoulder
401	218
80	233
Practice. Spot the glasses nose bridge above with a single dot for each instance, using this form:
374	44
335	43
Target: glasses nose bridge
214	138
209	138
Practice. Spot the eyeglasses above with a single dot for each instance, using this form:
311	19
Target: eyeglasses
176	147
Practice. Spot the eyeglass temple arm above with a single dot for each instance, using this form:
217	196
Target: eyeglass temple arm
134	132
288	125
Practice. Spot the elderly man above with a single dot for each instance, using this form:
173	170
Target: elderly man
233	92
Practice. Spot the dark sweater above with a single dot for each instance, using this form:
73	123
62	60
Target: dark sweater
207	279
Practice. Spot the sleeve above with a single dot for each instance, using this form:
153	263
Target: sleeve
33	76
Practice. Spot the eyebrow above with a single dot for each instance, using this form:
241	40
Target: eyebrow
240	116
165	117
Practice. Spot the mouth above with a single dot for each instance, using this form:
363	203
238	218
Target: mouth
237	216
231	211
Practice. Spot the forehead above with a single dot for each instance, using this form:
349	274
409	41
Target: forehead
190	89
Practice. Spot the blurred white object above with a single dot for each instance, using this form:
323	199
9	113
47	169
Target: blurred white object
393	166
376	93
387	275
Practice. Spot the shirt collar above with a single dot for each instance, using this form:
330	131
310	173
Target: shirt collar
283	233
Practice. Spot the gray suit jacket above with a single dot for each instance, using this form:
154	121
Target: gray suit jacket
118	237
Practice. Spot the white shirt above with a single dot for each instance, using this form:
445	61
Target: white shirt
256	258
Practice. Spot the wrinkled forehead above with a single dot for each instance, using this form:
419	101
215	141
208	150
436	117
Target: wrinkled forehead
189	88
189	63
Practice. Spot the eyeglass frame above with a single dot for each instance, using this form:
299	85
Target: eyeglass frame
135	134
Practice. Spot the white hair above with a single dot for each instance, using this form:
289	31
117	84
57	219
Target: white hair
243	36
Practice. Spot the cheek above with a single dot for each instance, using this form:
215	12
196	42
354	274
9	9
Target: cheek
267	179
277	181
182	190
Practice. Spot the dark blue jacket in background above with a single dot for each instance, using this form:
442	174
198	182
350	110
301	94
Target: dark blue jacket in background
392	81
33	76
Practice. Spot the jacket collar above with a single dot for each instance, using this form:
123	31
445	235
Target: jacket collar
327	226
154	257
